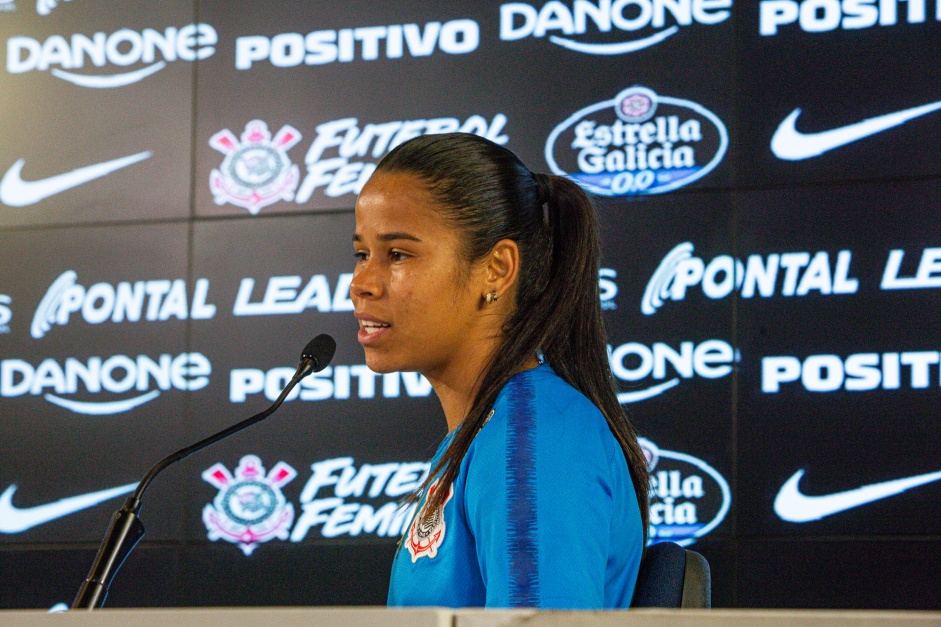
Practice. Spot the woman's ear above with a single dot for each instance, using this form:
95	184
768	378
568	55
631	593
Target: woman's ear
503	267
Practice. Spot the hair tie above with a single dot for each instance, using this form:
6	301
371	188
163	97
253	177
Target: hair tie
543	194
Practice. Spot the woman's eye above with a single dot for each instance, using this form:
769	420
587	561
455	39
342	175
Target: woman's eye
361	256
397	256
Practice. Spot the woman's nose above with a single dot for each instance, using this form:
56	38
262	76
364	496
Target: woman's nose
365	283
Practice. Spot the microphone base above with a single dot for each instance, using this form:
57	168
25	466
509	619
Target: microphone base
91	596
125	532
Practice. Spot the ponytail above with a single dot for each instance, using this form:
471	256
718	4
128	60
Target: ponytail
489	195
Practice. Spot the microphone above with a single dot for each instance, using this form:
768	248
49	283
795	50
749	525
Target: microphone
126	529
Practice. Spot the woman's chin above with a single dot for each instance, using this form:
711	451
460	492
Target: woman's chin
382	364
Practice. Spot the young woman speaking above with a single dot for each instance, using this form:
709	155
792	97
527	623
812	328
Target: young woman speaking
483	277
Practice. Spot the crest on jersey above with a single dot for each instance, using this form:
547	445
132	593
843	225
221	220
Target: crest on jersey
256	171
249	508
426	532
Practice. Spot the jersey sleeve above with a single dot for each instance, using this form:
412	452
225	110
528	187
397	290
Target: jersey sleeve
538	499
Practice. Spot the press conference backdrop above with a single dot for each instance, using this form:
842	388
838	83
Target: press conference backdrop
176	203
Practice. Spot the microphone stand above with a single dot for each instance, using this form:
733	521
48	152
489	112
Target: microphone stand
126	529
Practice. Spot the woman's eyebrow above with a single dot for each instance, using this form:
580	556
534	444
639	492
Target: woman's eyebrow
388	237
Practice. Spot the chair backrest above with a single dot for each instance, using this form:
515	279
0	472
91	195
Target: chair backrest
671	576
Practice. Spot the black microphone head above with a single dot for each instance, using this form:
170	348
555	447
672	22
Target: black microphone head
320	351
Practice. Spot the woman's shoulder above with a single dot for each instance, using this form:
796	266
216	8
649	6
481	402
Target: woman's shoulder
540	402
542	390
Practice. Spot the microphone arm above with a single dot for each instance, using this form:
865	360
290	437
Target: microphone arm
126	529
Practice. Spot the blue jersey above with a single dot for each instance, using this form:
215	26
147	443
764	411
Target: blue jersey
542	513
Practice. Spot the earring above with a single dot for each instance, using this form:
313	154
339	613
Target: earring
491	297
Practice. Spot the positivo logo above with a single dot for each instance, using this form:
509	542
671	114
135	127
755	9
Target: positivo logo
688	497
367	43
637	143
820	16
586	27
142	376
121	49
333	382
859	372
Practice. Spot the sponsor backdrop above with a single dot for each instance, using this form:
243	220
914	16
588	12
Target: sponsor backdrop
176	203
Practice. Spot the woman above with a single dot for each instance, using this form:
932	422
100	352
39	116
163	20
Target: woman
472	271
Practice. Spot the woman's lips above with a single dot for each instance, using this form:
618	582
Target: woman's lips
370	331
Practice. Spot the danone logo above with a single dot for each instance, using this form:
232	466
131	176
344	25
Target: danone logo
108	53
125	382
649	371
608	27
688	497
637	143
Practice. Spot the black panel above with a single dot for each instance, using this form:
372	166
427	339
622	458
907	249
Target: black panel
59	123
44	578
673	359
898	574
871	428
94	392
237	251
838	70
511	86
314	575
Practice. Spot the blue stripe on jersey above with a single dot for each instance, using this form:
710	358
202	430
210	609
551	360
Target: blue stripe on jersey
521	494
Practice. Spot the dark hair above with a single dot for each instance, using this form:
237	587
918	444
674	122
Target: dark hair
487	193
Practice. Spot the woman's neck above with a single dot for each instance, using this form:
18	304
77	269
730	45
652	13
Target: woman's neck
457	389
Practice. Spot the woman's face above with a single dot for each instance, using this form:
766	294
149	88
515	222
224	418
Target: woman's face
412	292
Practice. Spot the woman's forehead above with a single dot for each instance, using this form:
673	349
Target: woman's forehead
391	199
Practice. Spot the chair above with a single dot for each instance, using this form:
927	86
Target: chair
671	576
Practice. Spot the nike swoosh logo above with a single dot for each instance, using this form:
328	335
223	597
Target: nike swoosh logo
792	506
16	520
15	192
791	145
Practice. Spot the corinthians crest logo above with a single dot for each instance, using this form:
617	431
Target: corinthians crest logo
426	532
256	171
249	508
